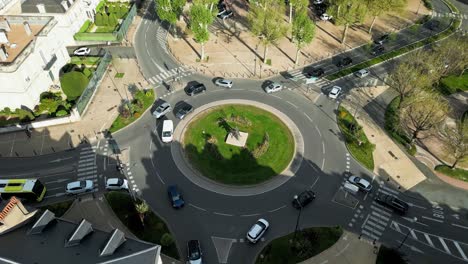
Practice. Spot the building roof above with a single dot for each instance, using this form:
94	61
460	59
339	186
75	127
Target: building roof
76	243
51	6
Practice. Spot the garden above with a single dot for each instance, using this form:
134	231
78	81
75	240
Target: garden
268	150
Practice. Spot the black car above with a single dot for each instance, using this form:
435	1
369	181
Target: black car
317	73
382	39
183	111
195	89
303	199
377	50
396	204
344	62
194	254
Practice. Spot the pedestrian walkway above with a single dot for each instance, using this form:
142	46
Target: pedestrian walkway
171	75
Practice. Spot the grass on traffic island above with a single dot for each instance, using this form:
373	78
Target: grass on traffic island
454	84
59	209
268	151
129	112
456	173
154	229
356	140
309	242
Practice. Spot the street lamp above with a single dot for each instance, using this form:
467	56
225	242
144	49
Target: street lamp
298	218
407	234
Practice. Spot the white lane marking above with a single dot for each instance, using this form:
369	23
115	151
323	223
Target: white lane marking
414	205
413	234
460	250
308	117
216	213
465	227
444	245
323	148
323	164
429	218
428	240
247	215
318	130
279	208
369	235
197	207
292	104
396	226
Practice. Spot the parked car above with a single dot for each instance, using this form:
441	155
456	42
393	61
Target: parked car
78	187
315	73
335	92
167	131
303	199
257	230
377	50
116	184
273	87
183	111
82	51
362	73
363	184
162	110
226	14
195	89
382	39
325	17
194	253
397	205
175	197
344	62
224	83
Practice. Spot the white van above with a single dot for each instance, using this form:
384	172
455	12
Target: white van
167	131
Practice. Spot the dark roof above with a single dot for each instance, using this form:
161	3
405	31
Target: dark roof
51	6
49	246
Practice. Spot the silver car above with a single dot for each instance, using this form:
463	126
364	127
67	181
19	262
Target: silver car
224	83
78	187
162	110
363	184
82	51
273	87
335	92
362	73
116	184
257	230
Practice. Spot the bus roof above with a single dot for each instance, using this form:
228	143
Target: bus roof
16	185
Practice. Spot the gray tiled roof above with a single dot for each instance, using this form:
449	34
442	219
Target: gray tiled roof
51	6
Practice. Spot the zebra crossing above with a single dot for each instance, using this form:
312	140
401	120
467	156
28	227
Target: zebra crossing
298	76
87	169
179	72
461	16
161	37
376	221
452	247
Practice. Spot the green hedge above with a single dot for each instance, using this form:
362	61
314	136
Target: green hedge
95	36
454	84
85	60
85	26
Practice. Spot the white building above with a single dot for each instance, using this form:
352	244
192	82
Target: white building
33	46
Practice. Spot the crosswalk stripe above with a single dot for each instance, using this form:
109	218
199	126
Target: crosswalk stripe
151	80
86	169
373	230
87	156
173	71
85	160
158	78
87	152
369	234
428	240
86	173
460	250
380	216
390	190
375	225
381	209
396	227
164	75
413	234
87	164
444	245
377	220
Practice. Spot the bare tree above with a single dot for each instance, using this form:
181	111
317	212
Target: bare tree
453	55
422	111
456	140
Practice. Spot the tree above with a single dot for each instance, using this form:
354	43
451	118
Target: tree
98	19
266	22
142	208
166	240
377	8
169	10
452	54
456	140
422	111
200	18
346	12
298	5
303	31
73	83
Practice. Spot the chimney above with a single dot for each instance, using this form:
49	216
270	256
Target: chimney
27	28
70	2
64	4
41	8
3	37
3	53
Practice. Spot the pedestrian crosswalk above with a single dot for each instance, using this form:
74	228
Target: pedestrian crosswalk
175	73
452	247
161	37
376	221
87	169
459	15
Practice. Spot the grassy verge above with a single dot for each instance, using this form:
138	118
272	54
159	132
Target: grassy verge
455	173
89	61
268	150
138	106
389	256
357	142
310	242
454	84
392	121
152	231
58	209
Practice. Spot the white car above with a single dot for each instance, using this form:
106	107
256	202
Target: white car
82	51
224	83
257	230
318	2
116	184
273	87
363	184
362	73
325	17
162	110
335	91
79	187
167	131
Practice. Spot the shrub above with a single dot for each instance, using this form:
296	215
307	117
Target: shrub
85	26
98	19
61	113
166	239
7	111
24	114
113	20
73	84
87	72
105	20
268	62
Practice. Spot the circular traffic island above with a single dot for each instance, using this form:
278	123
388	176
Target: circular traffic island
238	144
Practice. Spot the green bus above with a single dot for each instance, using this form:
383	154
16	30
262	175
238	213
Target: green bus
29	189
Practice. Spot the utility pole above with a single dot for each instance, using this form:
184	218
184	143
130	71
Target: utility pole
297	220
407	234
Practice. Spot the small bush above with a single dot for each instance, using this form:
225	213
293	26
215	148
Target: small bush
166	239
98	20
268	62
85	26
61	113
87	72
105	20
73	84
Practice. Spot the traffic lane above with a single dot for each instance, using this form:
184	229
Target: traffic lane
68	157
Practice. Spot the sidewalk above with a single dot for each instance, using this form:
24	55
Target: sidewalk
348	250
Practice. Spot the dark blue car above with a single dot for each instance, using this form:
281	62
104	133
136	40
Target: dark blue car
175	197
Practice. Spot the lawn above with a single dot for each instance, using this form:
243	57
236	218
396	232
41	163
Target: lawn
456	173
204	143
154	228
392	121
361	152
310	241
454	84
59	209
